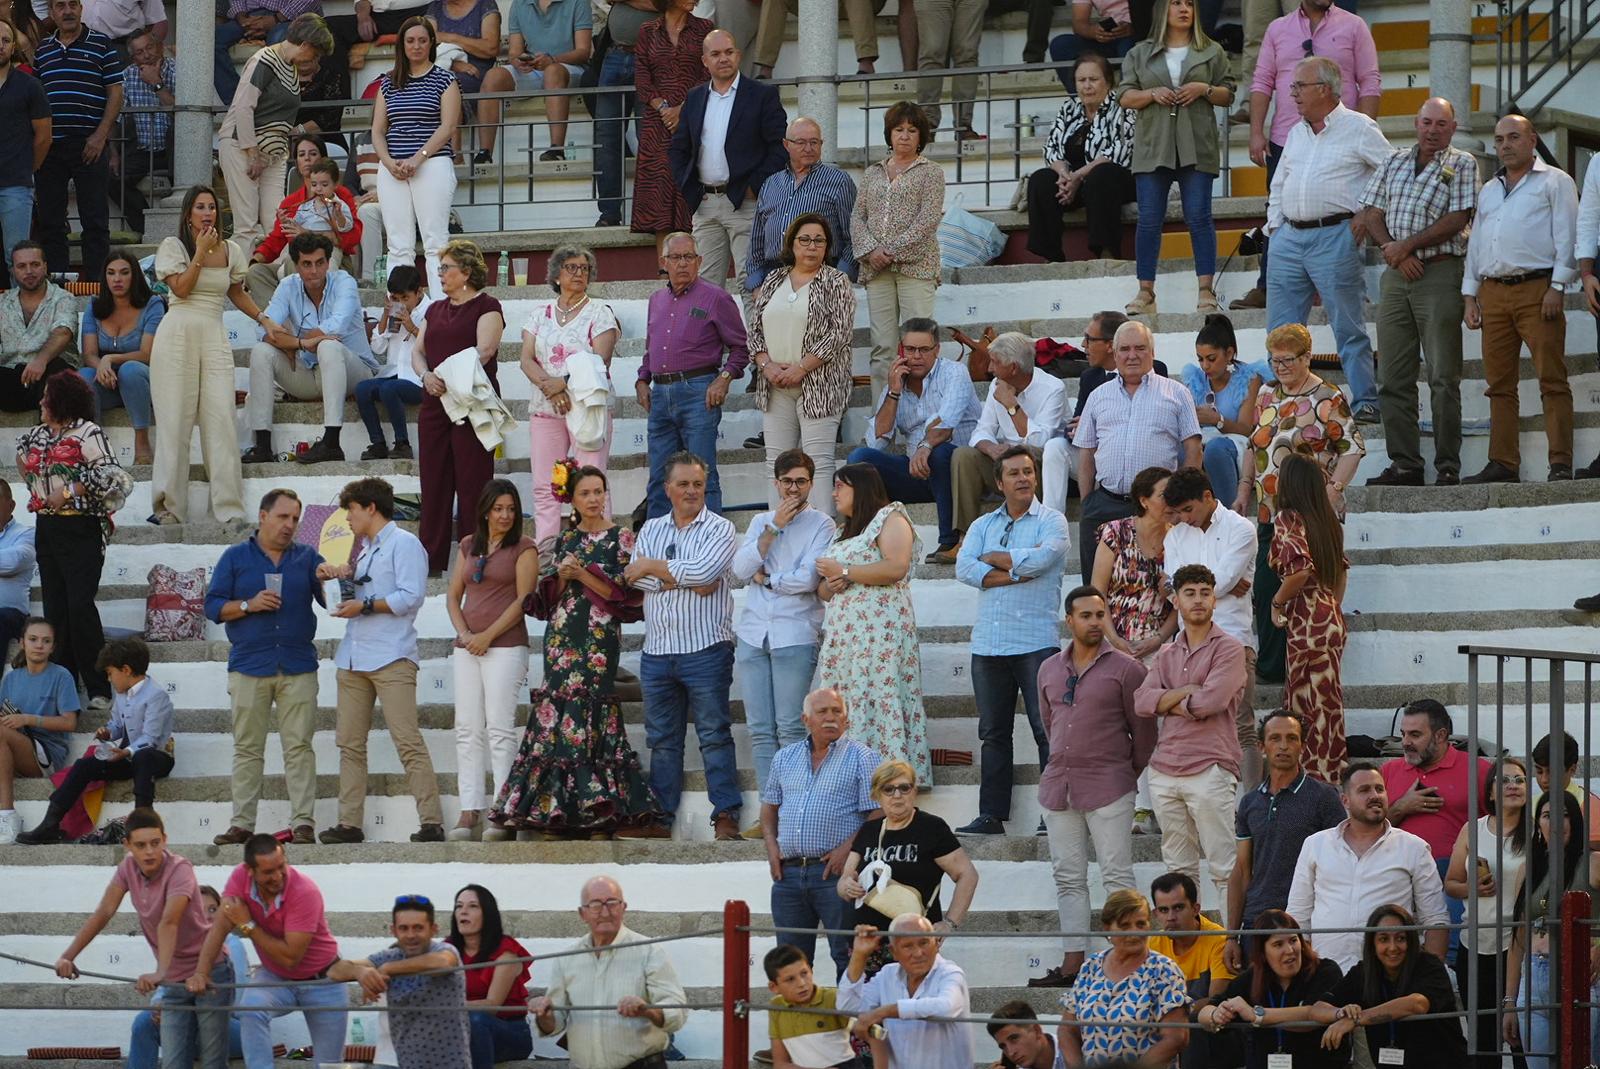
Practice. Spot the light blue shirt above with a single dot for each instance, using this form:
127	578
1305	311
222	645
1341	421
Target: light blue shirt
395	569
818	810
947	393
1021	618
16	566
913	1041
787	611
339	314
142	718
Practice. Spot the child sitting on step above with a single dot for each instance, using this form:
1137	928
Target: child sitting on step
819	1039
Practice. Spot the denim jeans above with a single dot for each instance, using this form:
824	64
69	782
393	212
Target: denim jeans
1194	187
144	1039
1536	1027
184	1034
775	683
805	898
1274	154
325	1007
672	685
907	489
996	681
498	1039
394	393
1324	261
230	33
1221	463
610	131
679	420
16	216
132	391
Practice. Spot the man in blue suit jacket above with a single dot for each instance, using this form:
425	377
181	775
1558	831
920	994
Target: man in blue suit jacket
729	141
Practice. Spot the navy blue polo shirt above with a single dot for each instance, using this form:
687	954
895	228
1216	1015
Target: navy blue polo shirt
22	101
1276	825
268	643
77	78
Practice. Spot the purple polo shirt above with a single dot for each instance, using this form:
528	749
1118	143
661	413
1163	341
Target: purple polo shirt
150	895
1341	36
690	331
1098	745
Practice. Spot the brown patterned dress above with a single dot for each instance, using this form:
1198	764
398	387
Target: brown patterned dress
1316	635
668	71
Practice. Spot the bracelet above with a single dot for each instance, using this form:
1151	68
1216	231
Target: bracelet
891	395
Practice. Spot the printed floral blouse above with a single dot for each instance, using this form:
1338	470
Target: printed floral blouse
79	457
1316	422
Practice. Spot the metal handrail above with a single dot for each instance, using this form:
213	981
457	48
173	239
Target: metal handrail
1522	65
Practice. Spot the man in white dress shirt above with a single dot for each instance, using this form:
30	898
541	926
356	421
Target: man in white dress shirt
1024	407
921	983
1330	156
1588	250
1519	268
1344	873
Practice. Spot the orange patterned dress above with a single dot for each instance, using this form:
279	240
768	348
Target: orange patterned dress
1316	422
1316	633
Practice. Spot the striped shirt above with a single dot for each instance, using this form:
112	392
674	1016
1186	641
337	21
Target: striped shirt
826	190
1021	618
818	810
151	129
1411	201
1129	434
414	113
77	80
680	621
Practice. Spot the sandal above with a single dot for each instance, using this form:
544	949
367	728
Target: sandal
1142	305
1207	301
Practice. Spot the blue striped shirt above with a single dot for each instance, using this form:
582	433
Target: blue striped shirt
77	80
819	810
680	621
825	189
1024	617
414	113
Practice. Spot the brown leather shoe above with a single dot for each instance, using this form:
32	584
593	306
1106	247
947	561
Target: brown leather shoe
727	828
234	836
304	835
652	830
1255	298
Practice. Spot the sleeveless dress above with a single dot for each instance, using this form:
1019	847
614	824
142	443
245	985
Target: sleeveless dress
575	772
1316	636
869	653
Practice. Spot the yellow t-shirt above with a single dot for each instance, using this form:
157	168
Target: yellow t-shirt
813	1040
1202	963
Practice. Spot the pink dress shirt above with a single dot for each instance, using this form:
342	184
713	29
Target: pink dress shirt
1190	746
1341	36
1098	746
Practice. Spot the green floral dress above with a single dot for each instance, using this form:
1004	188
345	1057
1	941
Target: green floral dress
575	772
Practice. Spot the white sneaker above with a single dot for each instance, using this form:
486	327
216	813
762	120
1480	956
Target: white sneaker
99	703
10	824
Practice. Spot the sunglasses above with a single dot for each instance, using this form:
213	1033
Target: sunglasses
406	901
477	573
1005	536
1306	46
898	789
672	551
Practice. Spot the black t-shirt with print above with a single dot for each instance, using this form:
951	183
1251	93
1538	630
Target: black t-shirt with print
912	854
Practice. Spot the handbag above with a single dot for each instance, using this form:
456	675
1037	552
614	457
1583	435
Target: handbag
965	240
885	894
624	603
175	608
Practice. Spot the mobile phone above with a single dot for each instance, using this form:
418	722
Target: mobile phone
526	57
1108	24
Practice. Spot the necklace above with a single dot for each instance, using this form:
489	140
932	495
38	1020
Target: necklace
794	293
565	315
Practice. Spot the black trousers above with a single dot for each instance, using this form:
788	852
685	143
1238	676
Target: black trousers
1272	656
1099	508
15	397
70	559
347	32
137	163
92	183
12	623
1105	190
144	767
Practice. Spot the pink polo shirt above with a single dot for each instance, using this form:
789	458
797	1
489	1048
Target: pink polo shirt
1190	746
1340	36
1449	778
297	909
150	896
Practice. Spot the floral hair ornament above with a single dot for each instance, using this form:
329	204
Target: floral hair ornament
561	478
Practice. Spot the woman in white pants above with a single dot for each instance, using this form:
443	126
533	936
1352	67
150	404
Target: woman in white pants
413	119
494	572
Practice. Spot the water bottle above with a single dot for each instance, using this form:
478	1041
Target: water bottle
358	1032
380	272
503	270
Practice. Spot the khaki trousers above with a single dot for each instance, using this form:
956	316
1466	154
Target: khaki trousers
253	698
785	428
1258	15
395	685
860	14
947	36
252	200
1416	321
722	235
333	379
1511	319
893	298
1196	816
191	386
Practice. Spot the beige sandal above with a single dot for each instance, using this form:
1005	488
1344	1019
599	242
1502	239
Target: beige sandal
1207	301
1142	305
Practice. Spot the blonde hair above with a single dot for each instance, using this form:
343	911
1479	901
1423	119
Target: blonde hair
1291	337
1158	28
1119	906
890	771
469	258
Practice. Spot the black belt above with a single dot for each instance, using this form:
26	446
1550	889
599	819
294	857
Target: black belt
1517	280
803	861
1112	493
683	376
1326	220
622	47
723	189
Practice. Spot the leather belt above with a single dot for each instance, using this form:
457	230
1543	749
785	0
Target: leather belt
803	861
1112	493
1441	256
683	376
1326	220
723	189
1517	280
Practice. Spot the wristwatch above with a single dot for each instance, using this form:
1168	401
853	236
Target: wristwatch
1012	410
1261	1017
244	607
247	928
366	606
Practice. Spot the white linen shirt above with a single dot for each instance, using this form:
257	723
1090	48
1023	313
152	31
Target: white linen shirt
1228	548
1129	434
714	134
1333	888
786	612
1531	228
1588	216
915	1042
1323	174
606	1040
1044	401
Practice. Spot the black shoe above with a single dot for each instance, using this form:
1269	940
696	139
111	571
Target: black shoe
401	451
256	455
983	826
1394	475
1041	829
1591	472
550	155
429	833
1493	472
1589	604
43	835
1560	473
320	453
1054	978
483	156
375	451
608	220
1447	478
342	833
1367	414
756	441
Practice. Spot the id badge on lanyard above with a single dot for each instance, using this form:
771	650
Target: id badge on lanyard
1280	1061
1391	1056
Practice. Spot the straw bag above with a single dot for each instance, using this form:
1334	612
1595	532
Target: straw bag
885	894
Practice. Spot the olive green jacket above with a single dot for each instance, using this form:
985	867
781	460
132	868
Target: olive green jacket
1189	139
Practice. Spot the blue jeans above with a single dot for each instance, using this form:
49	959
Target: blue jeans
672	685
996	681
1221	462
230	33
16	216
132	391
144	1040
609	131
906	489
181	1034
1324	260
1536	1027
498	1039
775	683
1194	187
325	1007
679	420
394	393
1274	154
805	898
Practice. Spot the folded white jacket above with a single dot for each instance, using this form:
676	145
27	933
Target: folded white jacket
469	396
590	390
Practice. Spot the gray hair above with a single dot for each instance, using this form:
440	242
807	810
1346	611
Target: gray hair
911	922
676	236
591	881
1013	349
1134	324
564	253
1327	72
805	706
814	124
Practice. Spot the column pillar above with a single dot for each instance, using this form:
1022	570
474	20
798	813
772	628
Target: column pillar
195	46
819	58
1450	62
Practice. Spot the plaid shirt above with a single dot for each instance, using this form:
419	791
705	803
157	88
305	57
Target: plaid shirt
151	130
287	10
1412	201
819	810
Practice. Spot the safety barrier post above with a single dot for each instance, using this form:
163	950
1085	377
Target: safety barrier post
736	984
1572	992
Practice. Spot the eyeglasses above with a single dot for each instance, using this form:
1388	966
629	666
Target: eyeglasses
918	350
1096	337
1295	87
898	789
610	905
1515	781
681	257
406	901
477	574
1284	361
817	239
575	268
446	265
794	484
810	142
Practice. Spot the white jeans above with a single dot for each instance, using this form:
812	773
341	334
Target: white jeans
371	216
785	428
1060	465
333	380
419	205
1070	831
486	718
1196	815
